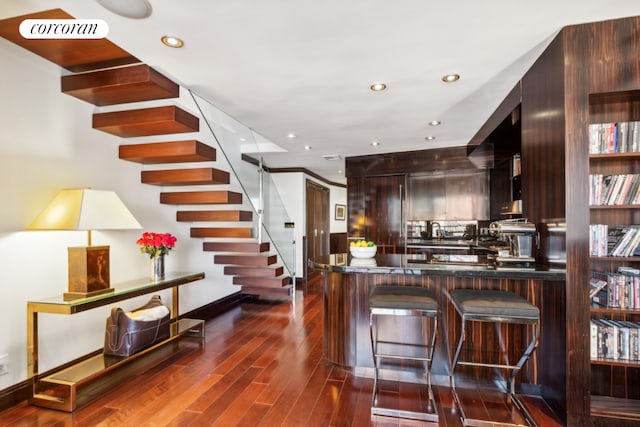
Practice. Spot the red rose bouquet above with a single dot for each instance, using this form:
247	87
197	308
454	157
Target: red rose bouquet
156	244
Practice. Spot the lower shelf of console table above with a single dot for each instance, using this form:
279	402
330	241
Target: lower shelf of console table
87	378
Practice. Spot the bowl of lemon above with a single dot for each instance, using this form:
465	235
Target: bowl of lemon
362	249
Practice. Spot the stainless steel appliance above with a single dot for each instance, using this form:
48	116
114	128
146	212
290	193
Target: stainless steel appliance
519	237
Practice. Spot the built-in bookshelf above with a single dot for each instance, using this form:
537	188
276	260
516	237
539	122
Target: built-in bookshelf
614	253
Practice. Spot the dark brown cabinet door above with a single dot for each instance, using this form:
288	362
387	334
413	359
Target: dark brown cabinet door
384	212
317	240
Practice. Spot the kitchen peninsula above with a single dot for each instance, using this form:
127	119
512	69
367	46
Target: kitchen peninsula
348	281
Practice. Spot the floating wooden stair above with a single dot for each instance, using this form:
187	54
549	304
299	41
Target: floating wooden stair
201	198
254	247
246	259
276	282
222	215
195	176
76	55
146	122
235	270
120	85
167	152
238	232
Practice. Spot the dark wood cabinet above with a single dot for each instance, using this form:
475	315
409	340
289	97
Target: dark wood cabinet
384	203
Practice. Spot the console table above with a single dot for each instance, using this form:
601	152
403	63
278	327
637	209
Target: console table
79	381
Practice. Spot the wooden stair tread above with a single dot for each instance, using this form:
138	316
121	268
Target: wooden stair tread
167	152
201	198
261	281
194	176
76	55
120	85
256	290
239	232
253	247
146	121
251	260
221	215
248	271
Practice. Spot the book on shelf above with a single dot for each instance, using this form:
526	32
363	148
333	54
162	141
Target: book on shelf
616	290
597	290
608	138
617	241
598	238
614	340
612	190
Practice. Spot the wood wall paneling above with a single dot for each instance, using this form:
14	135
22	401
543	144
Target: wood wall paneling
543	197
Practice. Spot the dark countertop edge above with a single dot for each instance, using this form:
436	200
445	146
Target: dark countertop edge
538	273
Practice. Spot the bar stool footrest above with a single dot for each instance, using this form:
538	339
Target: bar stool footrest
427	413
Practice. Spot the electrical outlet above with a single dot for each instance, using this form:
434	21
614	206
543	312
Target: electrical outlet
4	364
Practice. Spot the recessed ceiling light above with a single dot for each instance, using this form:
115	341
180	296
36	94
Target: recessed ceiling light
450	78
375	143
430	138
434	123
339	170
291	135
307	147
136	9
172	41
377	87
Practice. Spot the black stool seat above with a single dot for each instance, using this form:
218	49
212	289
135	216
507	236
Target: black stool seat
403	298
403	301
494	305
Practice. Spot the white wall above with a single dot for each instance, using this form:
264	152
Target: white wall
293	185
46	143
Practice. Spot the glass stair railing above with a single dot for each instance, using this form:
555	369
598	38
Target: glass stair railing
235	141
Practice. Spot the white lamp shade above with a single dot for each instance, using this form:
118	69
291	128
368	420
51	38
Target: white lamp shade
85	209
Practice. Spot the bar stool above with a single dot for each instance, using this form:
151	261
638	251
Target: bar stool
498	307
402	301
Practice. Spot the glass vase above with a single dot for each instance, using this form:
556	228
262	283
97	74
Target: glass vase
157	268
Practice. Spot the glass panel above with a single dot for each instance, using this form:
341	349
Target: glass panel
241	148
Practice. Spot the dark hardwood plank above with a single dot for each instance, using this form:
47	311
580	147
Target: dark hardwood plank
262	365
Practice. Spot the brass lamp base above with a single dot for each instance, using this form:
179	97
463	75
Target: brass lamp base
88	272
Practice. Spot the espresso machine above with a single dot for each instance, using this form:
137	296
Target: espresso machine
519	237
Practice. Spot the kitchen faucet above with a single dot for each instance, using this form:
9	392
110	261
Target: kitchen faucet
439	234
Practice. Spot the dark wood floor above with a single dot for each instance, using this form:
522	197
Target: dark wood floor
262	365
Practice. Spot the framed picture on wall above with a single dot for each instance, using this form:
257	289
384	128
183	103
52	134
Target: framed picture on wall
340	212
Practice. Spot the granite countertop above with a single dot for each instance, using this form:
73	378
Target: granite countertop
421	265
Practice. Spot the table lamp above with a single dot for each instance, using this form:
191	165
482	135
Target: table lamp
86	209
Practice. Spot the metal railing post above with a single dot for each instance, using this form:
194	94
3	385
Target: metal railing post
260	200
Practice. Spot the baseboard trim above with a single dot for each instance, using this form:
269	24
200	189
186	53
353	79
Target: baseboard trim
15	394
214	308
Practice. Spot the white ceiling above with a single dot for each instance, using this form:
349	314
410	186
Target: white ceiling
305	67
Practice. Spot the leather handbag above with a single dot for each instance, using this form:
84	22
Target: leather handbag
129	332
